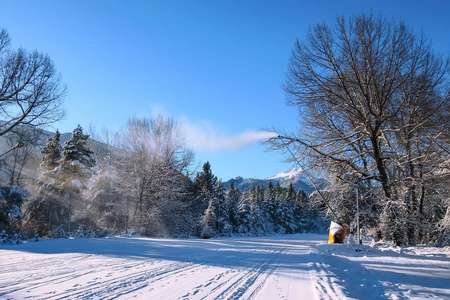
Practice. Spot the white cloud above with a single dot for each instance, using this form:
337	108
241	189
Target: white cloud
205	136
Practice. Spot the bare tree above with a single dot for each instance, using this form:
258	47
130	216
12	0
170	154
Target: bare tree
30	89
369	92
152	164
16	163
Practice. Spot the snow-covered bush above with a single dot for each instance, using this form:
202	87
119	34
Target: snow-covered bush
11	201
11	239
83	232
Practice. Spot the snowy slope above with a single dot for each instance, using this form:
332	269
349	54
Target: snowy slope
279	267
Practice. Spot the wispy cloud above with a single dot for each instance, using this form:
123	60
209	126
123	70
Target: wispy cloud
205	136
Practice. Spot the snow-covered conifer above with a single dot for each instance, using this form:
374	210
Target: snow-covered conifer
232	200
11	201
208	222
245	214
51	153
205	181
221	209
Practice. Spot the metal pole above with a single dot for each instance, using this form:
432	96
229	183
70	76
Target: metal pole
126	219
357	215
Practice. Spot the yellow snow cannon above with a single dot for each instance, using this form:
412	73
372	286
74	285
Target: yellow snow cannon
338	231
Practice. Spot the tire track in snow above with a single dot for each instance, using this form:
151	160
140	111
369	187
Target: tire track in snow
235	289
60	273
100	288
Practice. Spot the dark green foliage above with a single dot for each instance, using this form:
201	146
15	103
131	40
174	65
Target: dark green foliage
205	181
51	153
11	201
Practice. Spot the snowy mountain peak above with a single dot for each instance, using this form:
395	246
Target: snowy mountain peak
295	176
290	174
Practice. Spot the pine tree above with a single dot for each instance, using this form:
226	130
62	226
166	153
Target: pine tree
232	200
270	205
11	201
72	175
47	211
208	222
205	181
51	153
284	220
245	214
221	209
259	221
301	210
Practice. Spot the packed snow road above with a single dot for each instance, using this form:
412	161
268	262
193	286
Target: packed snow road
277	267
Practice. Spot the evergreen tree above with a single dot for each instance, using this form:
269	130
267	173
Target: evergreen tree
301	210
221	209
70	178
232	200
245	214
208	222
11	201
47	211
205	181
260	194
284	220
291	195
270	204
51	153
259	223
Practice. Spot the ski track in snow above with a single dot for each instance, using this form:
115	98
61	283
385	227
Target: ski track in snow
278	267
235	268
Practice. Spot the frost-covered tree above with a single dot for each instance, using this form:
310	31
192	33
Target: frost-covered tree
221	209
108	199
208	222
232	200
46	210
285	217
270	203
256	199
301	210
152	164
372	93
59	189
245	221
51	153
73	173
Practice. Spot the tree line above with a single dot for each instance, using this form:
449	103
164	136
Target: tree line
142	186
254	212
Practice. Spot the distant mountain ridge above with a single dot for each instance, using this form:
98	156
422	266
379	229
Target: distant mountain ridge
296	176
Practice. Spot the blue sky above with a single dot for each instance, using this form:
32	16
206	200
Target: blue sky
215	66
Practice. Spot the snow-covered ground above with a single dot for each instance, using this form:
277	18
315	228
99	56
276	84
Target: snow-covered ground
277	267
